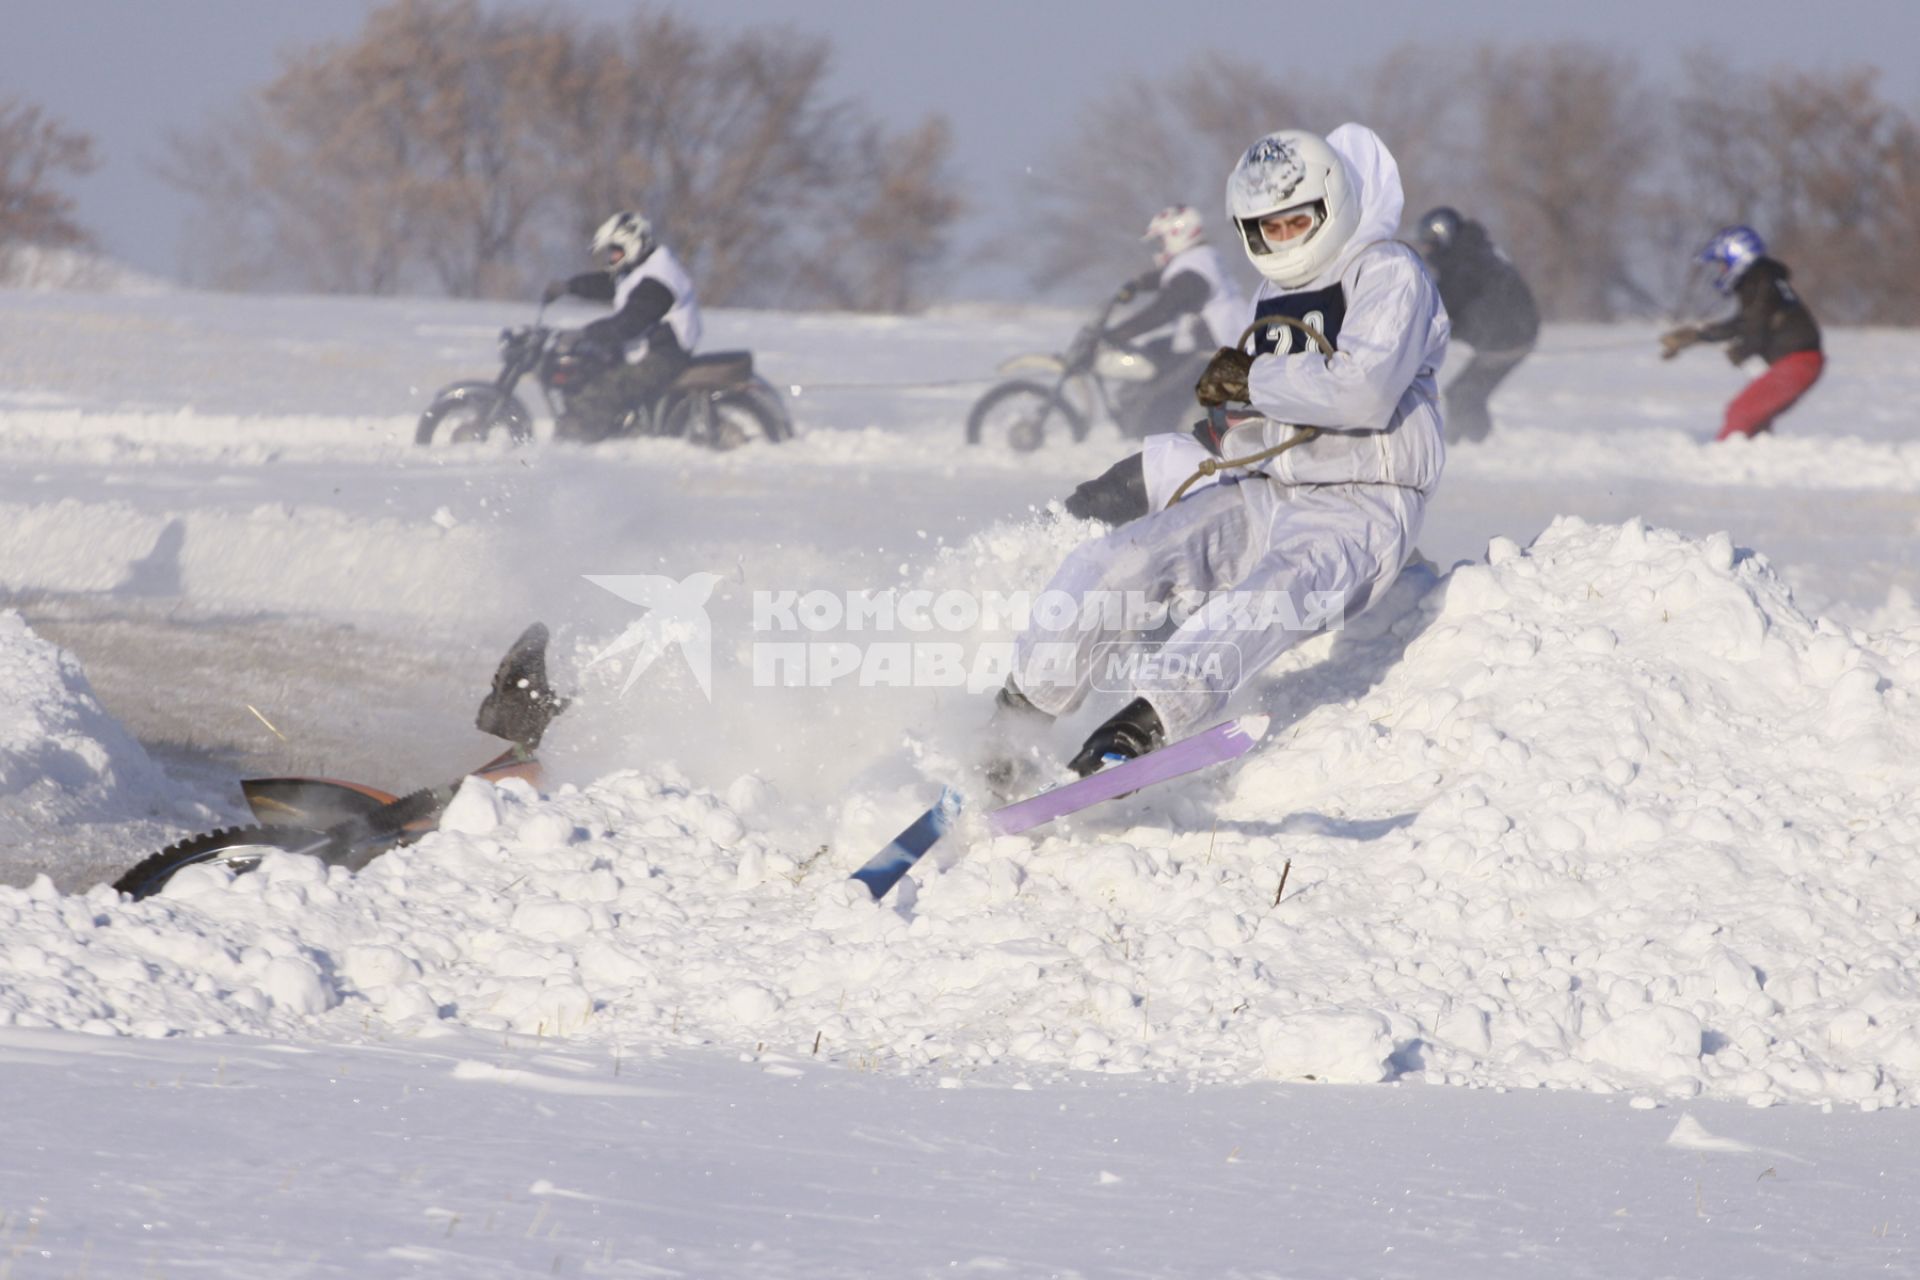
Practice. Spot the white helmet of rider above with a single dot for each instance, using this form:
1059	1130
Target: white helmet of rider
1294	204
621	242
1178	228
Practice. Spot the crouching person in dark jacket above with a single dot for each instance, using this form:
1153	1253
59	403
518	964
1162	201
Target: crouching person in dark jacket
1491	308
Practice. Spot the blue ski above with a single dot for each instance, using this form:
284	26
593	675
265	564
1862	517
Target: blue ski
884	869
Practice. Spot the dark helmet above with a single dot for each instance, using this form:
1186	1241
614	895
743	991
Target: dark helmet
1438	228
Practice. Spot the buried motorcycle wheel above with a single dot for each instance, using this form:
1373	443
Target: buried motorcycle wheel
238	849
1017	414
470	412
730	419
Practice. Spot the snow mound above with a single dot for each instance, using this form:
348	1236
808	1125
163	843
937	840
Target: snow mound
63	760
1618	816
1609	813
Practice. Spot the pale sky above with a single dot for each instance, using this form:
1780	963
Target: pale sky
1010	74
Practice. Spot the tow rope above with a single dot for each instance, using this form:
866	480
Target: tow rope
1217	414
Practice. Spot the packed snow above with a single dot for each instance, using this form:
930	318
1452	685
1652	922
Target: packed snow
1614	793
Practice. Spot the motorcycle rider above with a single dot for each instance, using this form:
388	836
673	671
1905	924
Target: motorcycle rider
647	340
1195	310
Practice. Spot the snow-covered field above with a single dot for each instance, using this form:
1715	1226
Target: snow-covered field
1596	953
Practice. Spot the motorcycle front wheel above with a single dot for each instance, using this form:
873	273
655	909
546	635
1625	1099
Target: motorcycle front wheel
470	412
730	419
1017	414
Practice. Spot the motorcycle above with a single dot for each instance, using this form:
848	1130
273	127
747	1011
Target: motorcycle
1091	380
349	824
716	401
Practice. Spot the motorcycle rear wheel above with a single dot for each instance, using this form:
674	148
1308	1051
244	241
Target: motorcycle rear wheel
739	417
1017	414
470	412
238	849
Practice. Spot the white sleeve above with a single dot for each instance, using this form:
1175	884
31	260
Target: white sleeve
1169	460
1384	339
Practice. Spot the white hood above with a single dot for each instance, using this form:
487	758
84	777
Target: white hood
1375	177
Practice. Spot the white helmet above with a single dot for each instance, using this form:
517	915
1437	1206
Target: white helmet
1178	228
1293	171
621	242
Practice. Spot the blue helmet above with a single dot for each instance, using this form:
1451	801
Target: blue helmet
1730	252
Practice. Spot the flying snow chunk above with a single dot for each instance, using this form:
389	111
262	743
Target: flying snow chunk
474	810
1690	1135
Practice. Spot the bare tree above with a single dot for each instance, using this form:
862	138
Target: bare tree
1139	147
1898	260
1565	138
1420	100
1145	144
901	202
1820	164
402	156
35	151
473	147
729	145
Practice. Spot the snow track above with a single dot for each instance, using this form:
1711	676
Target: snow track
1621	805
1612	808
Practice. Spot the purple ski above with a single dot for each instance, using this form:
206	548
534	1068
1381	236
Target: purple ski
1223	742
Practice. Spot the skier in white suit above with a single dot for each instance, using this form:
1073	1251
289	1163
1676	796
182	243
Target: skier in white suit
1346	449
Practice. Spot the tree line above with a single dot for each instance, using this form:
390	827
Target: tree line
466	149
37	153
470	148
1600	185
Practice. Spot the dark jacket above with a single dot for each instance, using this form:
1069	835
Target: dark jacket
1772	321
645	307
1490	305
1183	295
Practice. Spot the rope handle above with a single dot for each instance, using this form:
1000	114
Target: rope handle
1216	414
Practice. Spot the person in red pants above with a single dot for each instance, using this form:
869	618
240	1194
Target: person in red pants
1772	323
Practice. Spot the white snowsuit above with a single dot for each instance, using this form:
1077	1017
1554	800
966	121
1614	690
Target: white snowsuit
1322	530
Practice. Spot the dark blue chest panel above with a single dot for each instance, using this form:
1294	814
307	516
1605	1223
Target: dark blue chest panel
1324	309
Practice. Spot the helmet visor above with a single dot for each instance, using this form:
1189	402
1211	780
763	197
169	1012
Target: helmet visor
1284	228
